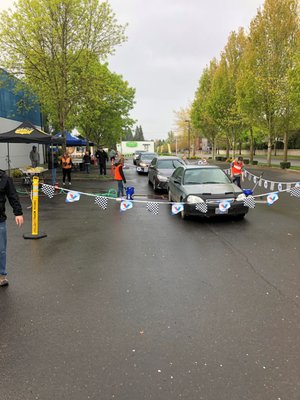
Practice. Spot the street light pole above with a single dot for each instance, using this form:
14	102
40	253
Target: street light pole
189	136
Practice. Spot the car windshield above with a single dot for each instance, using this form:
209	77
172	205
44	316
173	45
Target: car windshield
169	164
203	176
147	156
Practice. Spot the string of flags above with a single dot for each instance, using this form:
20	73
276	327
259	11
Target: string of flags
249	201
266	183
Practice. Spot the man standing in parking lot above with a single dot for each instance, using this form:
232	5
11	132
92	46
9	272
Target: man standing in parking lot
102	157
7	190
237	171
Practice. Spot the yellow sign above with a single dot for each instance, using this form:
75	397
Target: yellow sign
24	131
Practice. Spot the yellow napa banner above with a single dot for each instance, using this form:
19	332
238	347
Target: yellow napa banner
24	131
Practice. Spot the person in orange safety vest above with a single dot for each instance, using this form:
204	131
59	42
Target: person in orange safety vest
237	171
120	177
66	163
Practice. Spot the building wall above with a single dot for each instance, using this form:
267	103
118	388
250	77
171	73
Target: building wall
11	116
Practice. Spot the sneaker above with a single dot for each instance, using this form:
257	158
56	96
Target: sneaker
3	280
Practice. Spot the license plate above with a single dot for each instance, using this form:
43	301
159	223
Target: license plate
218	211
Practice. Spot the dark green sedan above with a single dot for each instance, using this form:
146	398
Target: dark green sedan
206	191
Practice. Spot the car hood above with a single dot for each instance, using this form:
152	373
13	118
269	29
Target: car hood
222	189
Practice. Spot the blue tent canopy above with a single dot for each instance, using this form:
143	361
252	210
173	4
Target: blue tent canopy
72	140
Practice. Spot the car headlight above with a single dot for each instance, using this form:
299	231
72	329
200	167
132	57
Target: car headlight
241	197
162	178
194	199
143	164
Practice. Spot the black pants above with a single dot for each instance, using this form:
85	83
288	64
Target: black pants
102	167
237	180
66	172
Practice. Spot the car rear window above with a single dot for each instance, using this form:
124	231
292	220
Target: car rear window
205	176
169	164
147	156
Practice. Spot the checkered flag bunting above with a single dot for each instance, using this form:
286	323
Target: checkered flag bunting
249	202
101	202
153	207
295	191
202	207
48	190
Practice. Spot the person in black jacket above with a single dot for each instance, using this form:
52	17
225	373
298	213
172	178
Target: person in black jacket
7	190
53	164
87	161
102	157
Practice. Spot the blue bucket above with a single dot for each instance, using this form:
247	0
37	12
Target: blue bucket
248	192
129	192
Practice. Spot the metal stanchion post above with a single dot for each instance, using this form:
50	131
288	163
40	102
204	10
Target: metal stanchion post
35	212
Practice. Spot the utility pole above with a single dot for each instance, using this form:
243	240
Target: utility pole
189	136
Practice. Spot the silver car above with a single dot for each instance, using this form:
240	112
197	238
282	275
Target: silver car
193	185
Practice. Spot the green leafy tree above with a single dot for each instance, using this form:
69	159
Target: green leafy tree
201	115
269	57
50	45
103	114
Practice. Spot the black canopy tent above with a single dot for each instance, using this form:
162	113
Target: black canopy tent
27	133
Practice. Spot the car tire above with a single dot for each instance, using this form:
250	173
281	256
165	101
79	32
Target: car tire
183	214
240	217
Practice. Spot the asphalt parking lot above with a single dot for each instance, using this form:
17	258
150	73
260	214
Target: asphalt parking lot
135	306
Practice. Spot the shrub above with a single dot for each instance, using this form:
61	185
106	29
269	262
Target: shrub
254	162
246	161
285	164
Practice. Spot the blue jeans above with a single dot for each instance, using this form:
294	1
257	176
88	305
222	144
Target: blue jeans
87	167
120	189
53	176
3	243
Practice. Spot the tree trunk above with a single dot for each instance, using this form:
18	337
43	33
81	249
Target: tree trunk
269	151
227	147
285	148
251	145
214	145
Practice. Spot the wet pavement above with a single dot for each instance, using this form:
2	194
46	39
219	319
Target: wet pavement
135	306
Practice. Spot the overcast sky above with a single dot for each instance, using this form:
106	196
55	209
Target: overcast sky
169	44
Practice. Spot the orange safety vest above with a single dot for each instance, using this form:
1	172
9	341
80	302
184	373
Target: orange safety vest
68	162
236	168
118	176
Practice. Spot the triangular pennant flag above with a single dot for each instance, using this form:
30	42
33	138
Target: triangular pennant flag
288	187
260	182
101	201
266	184
295	191
48	190
153	207
271	198
249	202
224	206
272	186
126	205
249	176
177	208
246	173
72	196
255	179
279	187
202	207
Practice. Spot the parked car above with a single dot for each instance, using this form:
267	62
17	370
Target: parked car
143	161
192	184
136	155
160	170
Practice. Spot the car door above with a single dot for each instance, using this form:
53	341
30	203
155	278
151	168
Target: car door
152	169
175	184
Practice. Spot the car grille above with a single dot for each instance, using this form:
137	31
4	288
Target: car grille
218	201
